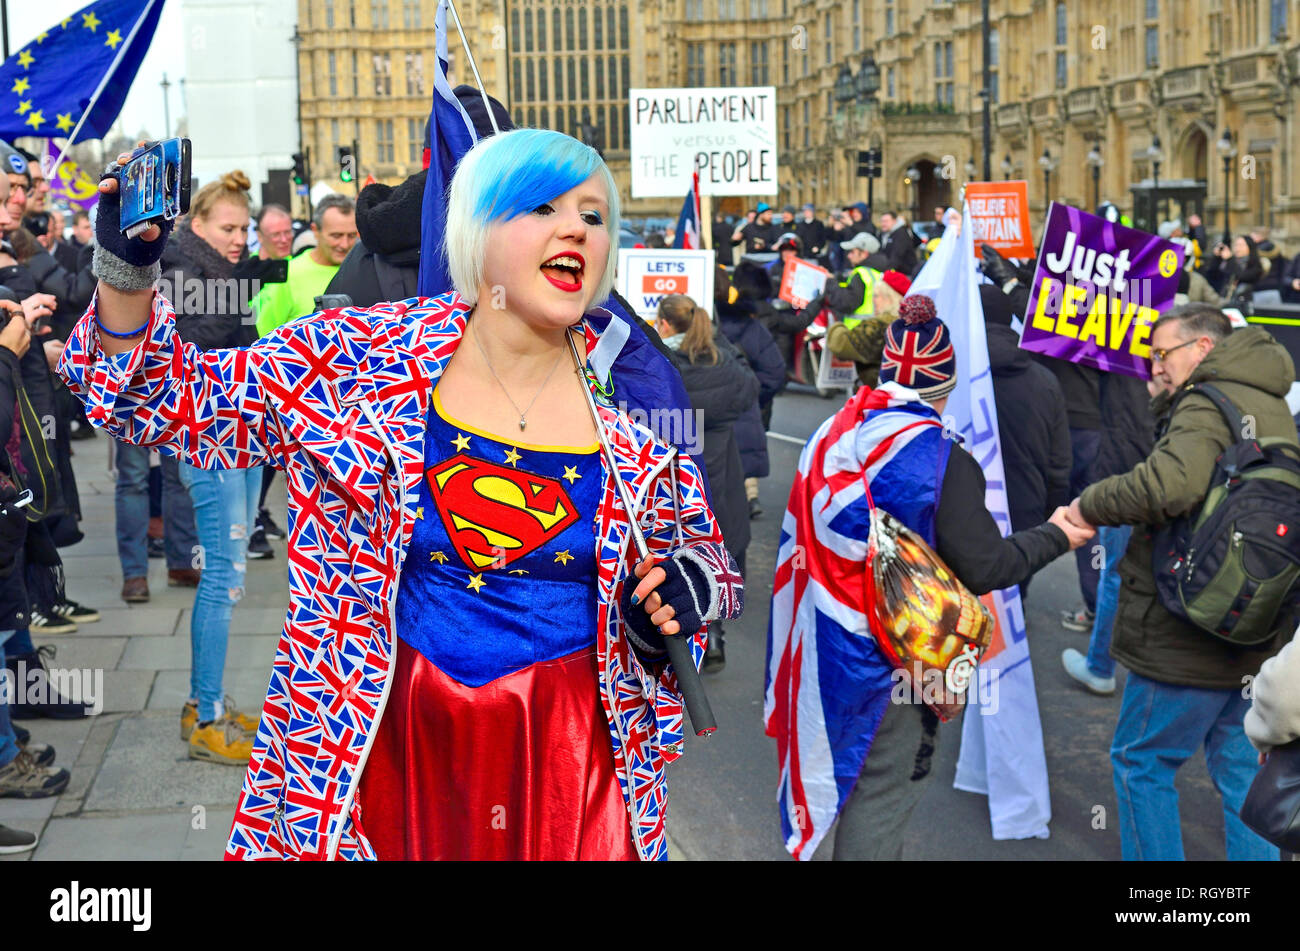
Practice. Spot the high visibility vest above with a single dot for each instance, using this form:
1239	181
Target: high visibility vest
868	306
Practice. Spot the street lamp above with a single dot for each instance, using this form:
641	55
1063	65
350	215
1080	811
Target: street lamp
1007	167
867	82
1047	163
1095	162
844	88
1155	155
167	107
913	177
1229	152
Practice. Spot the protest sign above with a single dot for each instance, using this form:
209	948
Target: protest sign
835	373
801	281
999	215
728	133
648	275
1098	288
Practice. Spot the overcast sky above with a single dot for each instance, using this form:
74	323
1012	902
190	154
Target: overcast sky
144	104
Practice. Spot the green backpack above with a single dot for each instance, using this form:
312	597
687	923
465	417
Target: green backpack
1232	568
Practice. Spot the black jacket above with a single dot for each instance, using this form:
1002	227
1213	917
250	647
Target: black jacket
968	540
899	247
73	289
1033	428
813	235
1081	385
384	264
1127	426
722	241
212	307
758	237
722	392
761	353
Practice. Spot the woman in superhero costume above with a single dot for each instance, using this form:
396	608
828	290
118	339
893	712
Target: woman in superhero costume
473	665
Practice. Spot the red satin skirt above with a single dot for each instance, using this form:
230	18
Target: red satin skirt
519	768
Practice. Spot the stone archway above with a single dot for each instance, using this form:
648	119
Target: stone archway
1193	155
930	189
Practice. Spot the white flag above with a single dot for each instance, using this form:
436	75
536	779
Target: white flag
1002	747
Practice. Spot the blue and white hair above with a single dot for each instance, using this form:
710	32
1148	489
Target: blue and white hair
508	175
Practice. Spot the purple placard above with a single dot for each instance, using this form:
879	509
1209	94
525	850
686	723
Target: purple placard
1097	289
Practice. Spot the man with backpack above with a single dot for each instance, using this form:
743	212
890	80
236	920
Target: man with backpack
1187	686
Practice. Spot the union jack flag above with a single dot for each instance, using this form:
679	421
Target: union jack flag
828	684
913	365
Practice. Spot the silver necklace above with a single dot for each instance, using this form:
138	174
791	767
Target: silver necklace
523	414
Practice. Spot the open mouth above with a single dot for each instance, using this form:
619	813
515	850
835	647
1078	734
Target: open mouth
565	271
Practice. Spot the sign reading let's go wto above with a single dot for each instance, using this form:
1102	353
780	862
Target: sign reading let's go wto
728	133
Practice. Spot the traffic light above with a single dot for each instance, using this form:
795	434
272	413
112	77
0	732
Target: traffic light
869	163
299	168
347	163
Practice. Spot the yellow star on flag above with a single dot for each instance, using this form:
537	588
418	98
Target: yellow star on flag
21	85
461	442
571	473
563	557
66	21
419	512
25	59
511	456
90	21
114	38
475	582
65	122
23	107
42	38
438	556
36	119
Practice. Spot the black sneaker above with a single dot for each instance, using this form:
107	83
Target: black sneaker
258	546
12	841
157	548
31	675
43	624
267	524
70	610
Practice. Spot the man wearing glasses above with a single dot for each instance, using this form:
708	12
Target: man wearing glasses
1185	687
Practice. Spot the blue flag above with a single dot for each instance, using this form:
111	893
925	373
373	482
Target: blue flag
80	68
631	372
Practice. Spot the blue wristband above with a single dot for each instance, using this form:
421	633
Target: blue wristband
126	336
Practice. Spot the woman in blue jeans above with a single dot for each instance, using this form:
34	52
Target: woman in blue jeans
203	253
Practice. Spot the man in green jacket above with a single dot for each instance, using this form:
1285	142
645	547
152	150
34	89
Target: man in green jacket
334	223
1185	688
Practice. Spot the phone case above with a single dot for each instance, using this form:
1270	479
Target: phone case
155	186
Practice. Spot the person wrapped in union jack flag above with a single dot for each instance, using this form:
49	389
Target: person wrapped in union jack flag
473	663
846	749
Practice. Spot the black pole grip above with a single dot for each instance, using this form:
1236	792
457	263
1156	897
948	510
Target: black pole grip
688	678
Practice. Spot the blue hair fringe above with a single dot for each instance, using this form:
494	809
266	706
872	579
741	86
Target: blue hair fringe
540	165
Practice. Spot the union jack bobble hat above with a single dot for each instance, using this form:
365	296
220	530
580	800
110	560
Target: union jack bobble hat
918	351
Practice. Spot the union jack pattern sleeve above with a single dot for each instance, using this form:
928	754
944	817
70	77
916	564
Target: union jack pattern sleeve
215	408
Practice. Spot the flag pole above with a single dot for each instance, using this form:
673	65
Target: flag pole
473	66
103	82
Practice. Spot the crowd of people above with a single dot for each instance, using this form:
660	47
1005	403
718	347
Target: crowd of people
1084	451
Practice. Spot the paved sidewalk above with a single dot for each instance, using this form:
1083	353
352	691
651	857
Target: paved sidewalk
135	793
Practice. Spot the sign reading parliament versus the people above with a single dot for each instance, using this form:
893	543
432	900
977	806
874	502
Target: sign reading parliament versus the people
648	275
1098	288
999	216
728	133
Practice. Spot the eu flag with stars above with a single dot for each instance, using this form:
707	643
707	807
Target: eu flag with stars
81	67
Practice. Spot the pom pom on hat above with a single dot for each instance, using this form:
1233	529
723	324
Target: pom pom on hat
916	310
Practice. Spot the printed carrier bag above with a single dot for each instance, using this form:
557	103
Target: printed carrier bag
925	620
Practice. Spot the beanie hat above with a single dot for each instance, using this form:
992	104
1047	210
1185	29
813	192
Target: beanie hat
918	351
763	206
898	281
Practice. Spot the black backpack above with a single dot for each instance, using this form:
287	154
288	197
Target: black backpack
1232	567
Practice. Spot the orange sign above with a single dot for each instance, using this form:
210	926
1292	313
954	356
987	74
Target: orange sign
801	281
664	283
999	214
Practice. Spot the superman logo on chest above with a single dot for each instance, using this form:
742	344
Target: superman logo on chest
494	514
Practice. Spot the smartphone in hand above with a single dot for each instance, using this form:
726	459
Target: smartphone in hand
155	186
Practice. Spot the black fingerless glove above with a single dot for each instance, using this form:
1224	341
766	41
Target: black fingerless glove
687	588
129	265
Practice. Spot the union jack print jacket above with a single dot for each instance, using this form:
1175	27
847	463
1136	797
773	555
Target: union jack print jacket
340	401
